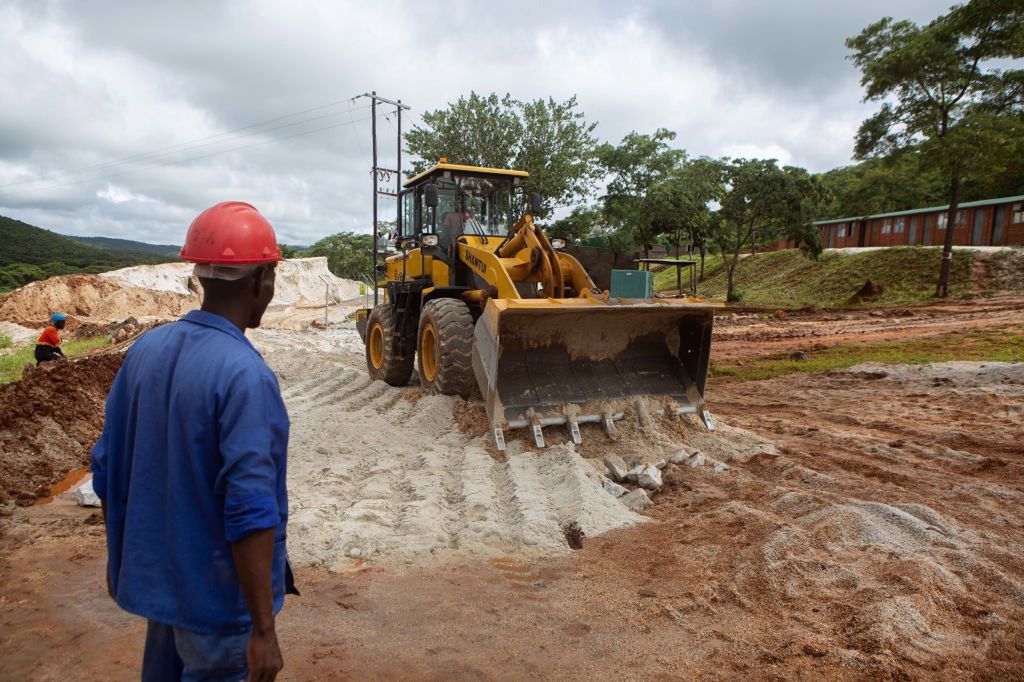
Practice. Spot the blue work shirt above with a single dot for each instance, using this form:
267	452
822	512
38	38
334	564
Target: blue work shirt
192	458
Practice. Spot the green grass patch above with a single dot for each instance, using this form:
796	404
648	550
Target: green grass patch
980	346
789	279
13	362
5	341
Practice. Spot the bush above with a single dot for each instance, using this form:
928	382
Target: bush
735	297
5	341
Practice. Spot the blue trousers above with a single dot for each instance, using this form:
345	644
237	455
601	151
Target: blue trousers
179	655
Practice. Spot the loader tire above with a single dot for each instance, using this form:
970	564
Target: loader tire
384	357
444	347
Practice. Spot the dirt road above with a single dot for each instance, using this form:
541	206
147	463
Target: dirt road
749	333
883	539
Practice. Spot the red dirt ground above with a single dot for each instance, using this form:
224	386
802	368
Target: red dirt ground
885	541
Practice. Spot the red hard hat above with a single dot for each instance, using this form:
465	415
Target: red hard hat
230	233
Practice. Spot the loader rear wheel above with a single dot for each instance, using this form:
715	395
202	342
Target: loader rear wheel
445	347
384	359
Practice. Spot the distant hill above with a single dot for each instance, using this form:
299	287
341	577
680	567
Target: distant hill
129	245
29	253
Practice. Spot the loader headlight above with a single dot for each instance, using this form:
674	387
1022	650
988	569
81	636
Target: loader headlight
558	243
429	240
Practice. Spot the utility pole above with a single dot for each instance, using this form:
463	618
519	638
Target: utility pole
384	173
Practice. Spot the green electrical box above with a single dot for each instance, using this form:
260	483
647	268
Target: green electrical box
632	284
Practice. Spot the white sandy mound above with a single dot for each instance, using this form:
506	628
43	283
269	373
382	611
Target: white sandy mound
381	473
300	282
162	291
19	335
173	277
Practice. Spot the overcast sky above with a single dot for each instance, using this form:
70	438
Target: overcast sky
86	85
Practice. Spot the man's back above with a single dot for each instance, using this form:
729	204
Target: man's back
192	458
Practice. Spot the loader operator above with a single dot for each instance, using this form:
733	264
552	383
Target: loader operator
191	469
48	345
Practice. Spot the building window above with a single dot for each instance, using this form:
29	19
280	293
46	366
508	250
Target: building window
940	221
899	226
842	230
1017	213
887	226
961	219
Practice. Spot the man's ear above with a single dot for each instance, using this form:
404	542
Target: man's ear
257	280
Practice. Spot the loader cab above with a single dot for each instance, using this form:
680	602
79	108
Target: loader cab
471	201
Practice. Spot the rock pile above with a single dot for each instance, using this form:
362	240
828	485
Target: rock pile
633	478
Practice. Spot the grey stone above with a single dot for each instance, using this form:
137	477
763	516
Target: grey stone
616	467
614	489
696	461
85	496
680	457
649	478
661	463
633	473
354	553
720	467
8	509
636	500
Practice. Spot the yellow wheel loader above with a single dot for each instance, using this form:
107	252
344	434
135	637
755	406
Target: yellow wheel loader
481	300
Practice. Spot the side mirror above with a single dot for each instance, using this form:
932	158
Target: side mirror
536	206
430	195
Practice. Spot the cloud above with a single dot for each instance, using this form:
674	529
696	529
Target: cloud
95	84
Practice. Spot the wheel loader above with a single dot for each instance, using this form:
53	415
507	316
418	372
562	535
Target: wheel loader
480	299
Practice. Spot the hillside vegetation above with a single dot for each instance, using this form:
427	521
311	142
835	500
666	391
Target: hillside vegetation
130	246
789	279
31	253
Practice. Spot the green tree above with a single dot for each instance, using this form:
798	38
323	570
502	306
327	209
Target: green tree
762	202
288	251
680	203
578	225
942	95
637	167
348	255
896	183
551	140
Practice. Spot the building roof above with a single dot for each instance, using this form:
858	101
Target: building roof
465	169
893	214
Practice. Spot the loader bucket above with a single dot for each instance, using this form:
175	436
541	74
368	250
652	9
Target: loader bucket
542	362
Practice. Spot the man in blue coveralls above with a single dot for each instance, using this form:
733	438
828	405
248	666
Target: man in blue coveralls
191	469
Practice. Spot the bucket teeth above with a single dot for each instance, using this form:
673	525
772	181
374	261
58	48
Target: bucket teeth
574	430
705	417
538	435
609	423
499	439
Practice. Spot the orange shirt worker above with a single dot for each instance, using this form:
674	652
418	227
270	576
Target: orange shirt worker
48	345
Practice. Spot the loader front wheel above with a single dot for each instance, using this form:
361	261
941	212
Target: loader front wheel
384	359
445	347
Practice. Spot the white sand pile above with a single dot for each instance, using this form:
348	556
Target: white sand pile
300	282
19	335
166	291
385	474
172	277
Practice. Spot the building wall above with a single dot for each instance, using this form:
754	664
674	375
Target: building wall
974	226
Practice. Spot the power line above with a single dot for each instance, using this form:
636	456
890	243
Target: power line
181	161
200	142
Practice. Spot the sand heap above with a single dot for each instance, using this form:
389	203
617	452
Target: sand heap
49	422
166	291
